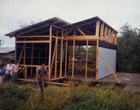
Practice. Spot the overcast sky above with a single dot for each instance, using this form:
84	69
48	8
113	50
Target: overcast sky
113	12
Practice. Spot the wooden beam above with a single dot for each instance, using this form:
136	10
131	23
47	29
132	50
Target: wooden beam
105	35
82	37
29	30
56	59
54	52
109	67
108	39
115	38
97	28
32	57
50	47
58	27
101	32
86	59
46	54
21	53
39	41
97	59
81	31
61	55
35	36
66	58
112	36
31	65
21	70
25	72
73	59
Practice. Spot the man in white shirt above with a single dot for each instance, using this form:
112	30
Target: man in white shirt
15	70
8	71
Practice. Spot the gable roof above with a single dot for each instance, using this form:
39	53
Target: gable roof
42	26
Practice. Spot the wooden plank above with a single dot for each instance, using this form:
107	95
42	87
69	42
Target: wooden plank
111	36
82	37
115	38
73	59
58	27
97	59
39	41
21	53
109	67
32	57
54	52
15	49
105	35
81	31
97	28
58	78
61	52
50	47
66	58
86	59
56	59
35	36
21	70
32	65
36	72
101	32
108	39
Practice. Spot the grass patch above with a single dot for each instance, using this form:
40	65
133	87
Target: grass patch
83	96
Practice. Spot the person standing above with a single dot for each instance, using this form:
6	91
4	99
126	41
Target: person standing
15	70
2	71
41	73
8	72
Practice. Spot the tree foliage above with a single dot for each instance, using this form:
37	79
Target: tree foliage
1	42
129	49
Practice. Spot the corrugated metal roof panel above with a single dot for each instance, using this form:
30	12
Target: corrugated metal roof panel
6	49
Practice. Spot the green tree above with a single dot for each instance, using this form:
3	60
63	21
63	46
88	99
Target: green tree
129	48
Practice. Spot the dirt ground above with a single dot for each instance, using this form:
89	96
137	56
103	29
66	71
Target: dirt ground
131	80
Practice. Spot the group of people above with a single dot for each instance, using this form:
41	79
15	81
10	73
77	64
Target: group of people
9	72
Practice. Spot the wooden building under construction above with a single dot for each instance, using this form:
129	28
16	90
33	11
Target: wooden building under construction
83	50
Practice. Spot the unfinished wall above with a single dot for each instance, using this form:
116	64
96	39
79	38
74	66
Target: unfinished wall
110	56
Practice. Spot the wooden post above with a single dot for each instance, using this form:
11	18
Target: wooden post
105	35
109	34
15	48
36	72
54	52
66	58
101	32
56	59
46	54
73	59
109	67
32	58
61	55
97	28
50	50
21	53
86	59
26	72
115	38
97	45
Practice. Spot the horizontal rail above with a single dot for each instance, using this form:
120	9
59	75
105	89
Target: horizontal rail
40	41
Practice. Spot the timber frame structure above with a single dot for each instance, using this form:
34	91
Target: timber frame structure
53	41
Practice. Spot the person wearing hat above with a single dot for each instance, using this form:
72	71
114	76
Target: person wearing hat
15	70
2	71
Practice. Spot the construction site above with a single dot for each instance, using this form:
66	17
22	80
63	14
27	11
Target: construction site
81	51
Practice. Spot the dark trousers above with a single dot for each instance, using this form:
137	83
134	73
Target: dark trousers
7	78
41	84
14	78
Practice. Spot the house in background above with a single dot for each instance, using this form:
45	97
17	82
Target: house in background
6	54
